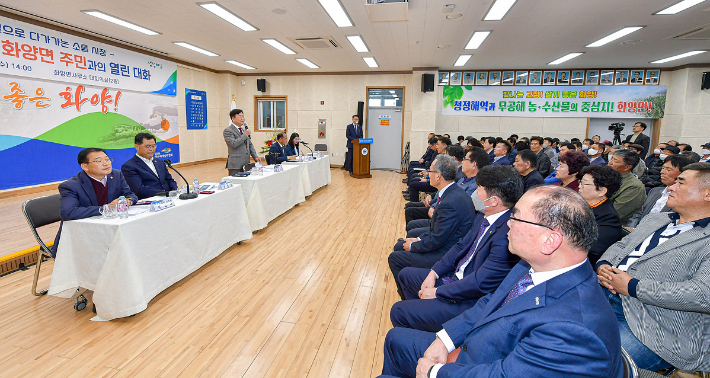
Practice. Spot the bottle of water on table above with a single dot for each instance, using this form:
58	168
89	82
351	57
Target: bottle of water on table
122	207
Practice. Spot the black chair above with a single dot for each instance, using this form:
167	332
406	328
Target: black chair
630	368
248	167
40	212
320	147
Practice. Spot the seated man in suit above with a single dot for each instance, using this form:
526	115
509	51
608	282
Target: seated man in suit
526	165
420	184
277	153
145	174
451	220
657	279
96	185
657	197
474	267
501	152
548	318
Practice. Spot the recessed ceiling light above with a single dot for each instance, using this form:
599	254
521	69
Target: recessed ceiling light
443	46
498	10
462	60
681	56
454	16
118	21
679	7
195	48
336	12
278	46
226	15
614	36
240	64
476	40
278	11
307	63
371	62
565	58
357	43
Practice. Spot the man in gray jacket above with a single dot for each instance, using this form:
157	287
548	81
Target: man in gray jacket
658	279
239	145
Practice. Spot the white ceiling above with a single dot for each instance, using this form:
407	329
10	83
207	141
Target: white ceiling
533	33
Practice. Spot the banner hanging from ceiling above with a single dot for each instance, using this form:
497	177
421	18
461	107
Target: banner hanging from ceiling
557	101
60	93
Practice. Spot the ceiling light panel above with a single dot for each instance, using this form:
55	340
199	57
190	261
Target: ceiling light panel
371	62
565	58
676	57
248	67
278	46
614	36
195	48
336	12
307	63
498	10
118	21
226	15
462	60
358	43
476	40
679	7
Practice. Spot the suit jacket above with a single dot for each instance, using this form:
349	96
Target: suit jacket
543	163
277	152
488	267
670	313
352	132
291	151
598	160
78	198
239	148
650	202
532	179
451	220
609	226
141	179
563	327
643	140
502	161
629	198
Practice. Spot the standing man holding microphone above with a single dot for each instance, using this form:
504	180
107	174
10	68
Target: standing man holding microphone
239	145
352	131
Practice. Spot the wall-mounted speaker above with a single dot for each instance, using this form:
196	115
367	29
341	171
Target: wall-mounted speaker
427	82
261	85
705	84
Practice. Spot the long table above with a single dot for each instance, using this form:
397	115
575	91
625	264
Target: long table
315	175
272	194
127	262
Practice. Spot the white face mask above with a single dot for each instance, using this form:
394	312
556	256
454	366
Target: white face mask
705	151
592	152
657	151
544	145
585	147
663	156
484	201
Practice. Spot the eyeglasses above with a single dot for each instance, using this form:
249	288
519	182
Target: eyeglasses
150	146
582	183
99	161
536	224
430	171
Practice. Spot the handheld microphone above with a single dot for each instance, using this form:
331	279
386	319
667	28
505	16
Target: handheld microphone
183	196
246	128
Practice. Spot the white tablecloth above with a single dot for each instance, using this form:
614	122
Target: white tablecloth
316	175
272	194
127	262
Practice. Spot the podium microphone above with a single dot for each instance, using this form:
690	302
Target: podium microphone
183	196
306	144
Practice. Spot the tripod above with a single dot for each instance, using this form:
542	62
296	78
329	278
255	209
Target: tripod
617	139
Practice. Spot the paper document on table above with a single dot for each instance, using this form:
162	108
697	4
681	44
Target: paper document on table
135	210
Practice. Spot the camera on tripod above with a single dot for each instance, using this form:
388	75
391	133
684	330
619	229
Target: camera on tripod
617	128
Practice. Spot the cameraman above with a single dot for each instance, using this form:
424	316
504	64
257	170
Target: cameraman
638	138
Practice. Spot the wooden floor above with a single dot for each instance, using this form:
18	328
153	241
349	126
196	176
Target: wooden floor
309	296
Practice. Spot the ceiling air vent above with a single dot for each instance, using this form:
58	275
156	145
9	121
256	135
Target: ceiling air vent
316	43
700	33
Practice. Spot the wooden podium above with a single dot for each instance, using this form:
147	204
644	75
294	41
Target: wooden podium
361	158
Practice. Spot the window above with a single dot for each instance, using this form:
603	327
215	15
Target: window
271	113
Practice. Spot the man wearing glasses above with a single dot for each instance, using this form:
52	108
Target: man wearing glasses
145	174
96	185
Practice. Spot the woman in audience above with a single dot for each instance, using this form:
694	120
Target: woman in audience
597	183
291	148
571	163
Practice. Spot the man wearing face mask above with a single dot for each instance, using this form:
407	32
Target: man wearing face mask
652	177
705	153
595	154
547	147
654	156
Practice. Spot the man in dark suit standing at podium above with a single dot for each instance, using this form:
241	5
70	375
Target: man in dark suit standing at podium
353	131
145	174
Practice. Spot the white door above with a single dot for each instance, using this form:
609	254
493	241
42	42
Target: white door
384	126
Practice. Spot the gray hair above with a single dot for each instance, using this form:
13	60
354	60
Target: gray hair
447	166
630	157
565	210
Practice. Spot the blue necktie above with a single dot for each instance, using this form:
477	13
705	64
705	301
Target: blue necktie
519	288
485	224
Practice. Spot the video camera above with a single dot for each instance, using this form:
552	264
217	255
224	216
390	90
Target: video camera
617	128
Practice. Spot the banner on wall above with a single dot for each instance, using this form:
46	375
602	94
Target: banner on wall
51	109
196	109
557	101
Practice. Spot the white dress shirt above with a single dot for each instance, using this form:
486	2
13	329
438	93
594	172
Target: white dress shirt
102	181
491	219
441	194
537	278
149	163
661	202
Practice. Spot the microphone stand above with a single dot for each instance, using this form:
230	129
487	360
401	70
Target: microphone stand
306	144
184	196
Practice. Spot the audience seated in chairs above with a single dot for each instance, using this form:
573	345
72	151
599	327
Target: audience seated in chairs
657	279
631	195
570	164
420	184
501	152
548	318
451	220
652	177
425	161
543	161
526	165
474	267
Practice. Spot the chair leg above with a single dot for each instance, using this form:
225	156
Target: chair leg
40	258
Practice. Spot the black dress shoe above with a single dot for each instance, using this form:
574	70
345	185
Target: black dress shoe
405	192
405	181
406	196
400	240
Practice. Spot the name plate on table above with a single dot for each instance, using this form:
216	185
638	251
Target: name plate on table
278	168
365	140
226	184
159	205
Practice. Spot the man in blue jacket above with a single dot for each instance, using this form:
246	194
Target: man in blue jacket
96	185
450	222
548	318
474	267
145	174
352	131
